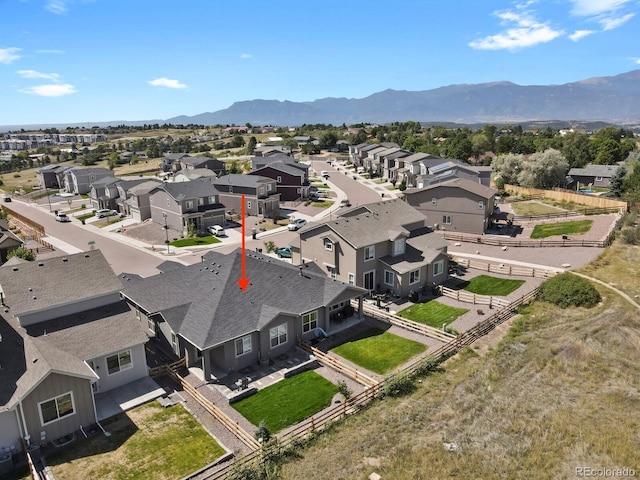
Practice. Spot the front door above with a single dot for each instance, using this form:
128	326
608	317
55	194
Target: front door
369	280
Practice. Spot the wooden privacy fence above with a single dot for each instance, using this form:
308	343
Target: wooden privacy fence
26	221
341	367
512	242
161	370
562	195
410	325
504	269
468	297
215	412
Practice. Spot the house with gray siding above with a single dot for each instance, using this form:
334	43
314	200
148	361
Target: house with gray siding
51	176
78	180
205	316
185	206
260	193
381	247
598	176
458	205
63	347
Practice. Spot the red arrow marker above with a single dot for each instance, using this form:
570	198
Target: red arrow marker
243	281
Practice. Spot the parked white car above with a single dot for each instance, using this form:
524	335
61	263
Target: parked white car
216	230
296	224
62	217
105	212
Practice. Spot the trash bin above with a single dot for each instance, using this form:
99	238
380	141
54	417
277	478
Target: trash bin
253	233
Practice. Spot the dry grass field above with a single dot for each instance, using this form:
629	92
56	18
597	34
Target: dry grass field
560	391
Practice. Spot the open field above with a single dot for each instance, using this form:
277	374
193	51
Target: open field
560	391
576	227
148	442
533	208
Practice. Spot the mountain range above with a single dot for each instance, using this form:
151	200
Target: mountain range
614	99
611	99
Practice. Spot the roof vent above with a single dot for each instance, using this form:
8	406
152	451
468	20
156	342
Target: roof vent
15	269
86	255
34	360
41	264
34	297
65	259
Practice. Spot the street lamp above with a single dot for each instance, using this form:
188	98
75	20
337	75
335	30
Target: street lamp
166	230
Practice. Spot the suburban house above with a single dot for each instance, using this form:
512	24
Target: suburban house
169	160
382	247
207	318
268	150
110	192
449	169
393	164
591	176
292	179
65	350
261	194
213	164
259	162
459	205
136	201
8	240
78	180
51	176
186	206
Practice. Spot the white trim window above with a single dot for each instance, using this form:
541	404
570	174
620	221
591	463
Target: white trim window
243	345
369	253
351	279
438	267
279	179
249	204
212	200
398	246
174	341
598	179
200	201
309	321
55	408
389	278
446	219
414	277
332	272
278	335
189	204
328	245
434	201
481	205
119	361
151	325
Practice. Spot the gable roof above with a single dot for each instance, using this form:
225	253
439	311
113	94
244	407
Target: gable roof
241	180
204	304
461	183
606	171
179	191
371	223
282	167
29	287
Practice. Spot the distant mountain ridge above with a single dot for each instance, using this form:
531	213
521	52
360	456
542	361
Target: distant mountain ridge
612	99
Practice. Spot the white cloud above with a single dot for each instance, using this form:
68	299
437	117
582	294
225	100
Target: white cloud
525	32
589	8
166	82
8	55
57	52
246	55
579	34
636	60
34	74
51	90
609	23
57	7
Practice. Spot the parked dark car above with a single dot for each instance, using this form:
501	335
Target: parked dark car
284	252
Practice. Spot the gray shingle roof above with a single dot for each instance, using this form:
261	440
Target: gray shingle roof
283	167
606	171
462	183
371	223
418	253
58	281
240	180
204	303
198	188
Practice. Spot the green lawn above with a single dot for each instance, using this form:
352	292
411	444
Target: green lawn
289	401
562	228
379	351
432	313
486	285
323	204
190	242
148	442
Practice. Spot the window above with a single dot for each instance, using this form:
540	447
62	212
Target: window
369	252
56	408
434	201
174	341
151	325
446	219
398	246
481	205
278	335
328	245
212	200
249	204
389	278
201	201
414	277
118	362
243	345
230	189
598	179
438	267
332	272
269	187
309	321
352	279
189	204
279	179
261	190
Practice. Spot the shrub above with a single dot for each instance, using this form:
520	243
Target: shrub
569	290
270	246
399	385
631	235
22	252
344	389
263	434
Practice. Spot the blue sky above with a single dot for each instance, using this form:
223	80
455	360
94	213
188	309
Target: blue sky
65	61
